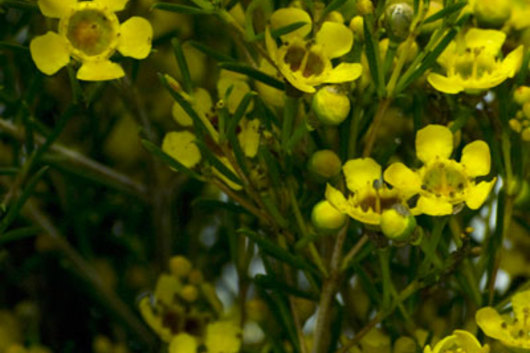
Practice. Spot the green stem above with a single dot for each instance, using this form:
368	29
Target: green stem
372	134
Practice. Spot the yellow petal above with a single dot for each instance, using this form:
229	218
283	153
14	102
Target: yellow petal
432	142
360	173
270	43
335	38
113	5
434	206
181	146
135	38
468	342
153	320
201	102
444	84
286	16
183	343
512	62
476	158
336	199
49	52
486	39
521	305
166	288
249	137
403	178
223	337
477	194
238	90
489	320
56	8
344	72
99	71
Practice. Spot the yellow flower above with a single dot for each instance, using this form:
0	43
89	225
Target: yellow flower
511	331
223	337
183	343
369	197
443	184
459	342
471	62
306	64
89	31
181	146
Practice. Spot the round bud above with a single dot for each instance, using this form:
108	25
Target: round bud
398	19
189	293
325	217
331	106
521	95
325	164
492	13
357	26
179	266
365	7
397	223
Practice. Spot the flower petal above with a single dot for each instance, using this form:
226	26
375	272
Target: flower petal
183	343
489	320
403	178
135	38
434	206
336	199
249	136
56	8
360	173
286	16
469	343
49	52
512	62
113	5
476	158
432	142
344	72
181	146
477	194
99	71
487	39
521	305
444	84
335	38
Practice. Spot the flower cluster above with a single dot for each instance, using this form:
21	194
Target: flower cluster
521	122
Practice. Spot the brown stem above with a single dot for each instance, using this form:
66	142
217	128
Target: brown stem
378	118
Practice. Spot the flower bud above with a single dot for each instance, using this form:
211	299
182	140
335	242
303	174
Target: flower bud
331	106
325	164
434	7
521	95
492	12
397	223
189	293
325	217
179	266
365	7
398	19
357	26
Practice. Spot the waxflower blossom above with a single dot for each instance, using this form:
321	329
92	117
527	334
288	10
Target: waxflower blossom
89	31
512	331
471	62
444	184
460	341
306	64
369	197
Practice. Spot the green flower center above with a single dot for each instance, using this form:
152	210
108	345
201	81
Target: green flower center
444	180
90	31
474	64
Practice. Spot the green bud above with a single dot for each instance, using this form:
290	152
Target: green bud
397	223
398	19
331	106
325	164
492	12
325	217
521	95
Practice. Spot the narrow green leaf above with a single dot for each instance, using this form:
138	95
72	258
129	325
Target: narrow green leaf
18	234
13	46
332	6
523	72
170	161
216	163
276	33
9	170
214	205
275	251
214	54
19	4
372	55
183	65
269	282
253	73
15	208
184	9
240	112
271	164
445	12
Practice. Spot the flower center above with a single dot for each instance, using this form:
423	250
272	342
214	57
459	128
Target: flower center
90	31
474	64
310	63
378	200
444	180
